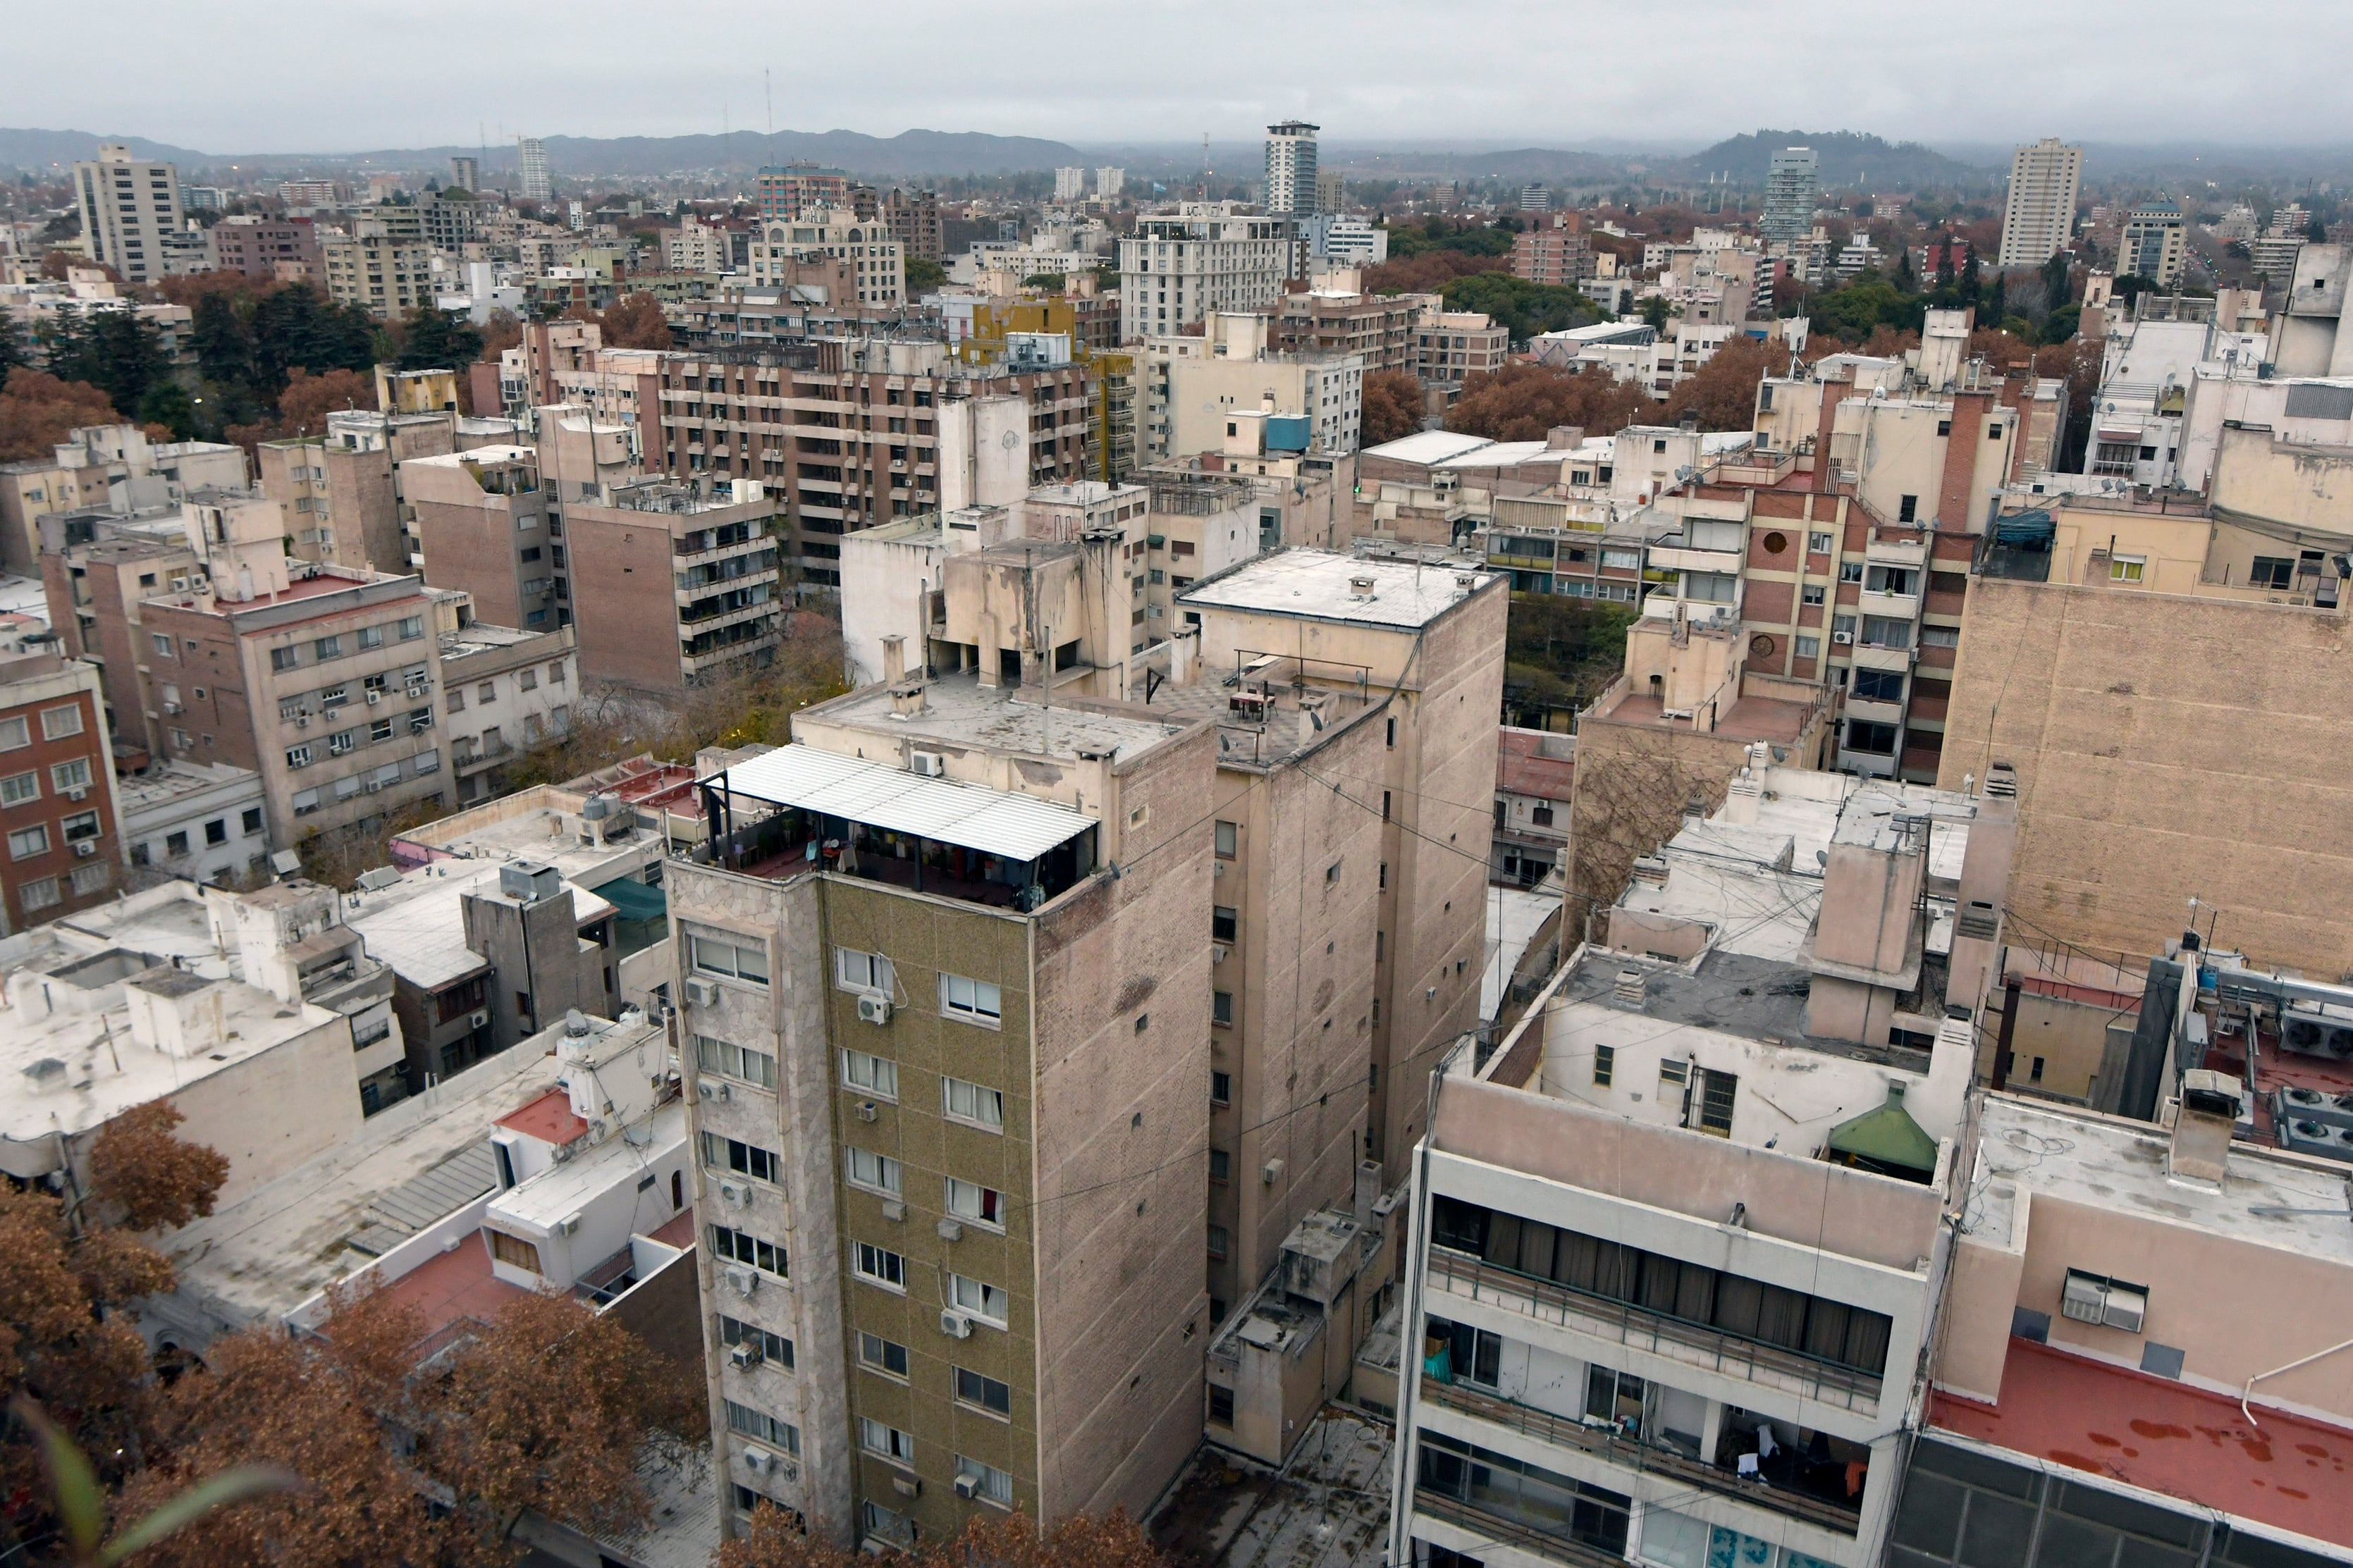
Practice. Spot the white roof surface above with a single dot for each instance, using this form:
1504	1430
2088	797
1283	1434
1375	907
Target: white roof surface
1320	583
418	926
1429	447
995	822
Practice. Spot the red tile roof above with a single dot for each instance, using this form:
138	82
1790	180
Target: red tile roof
2168	1437
1520	770
454	1285
548	1119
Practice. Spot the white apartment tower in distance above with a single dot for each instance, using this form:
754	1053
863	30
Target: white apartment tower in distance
1109	182
1290	169
530	161
1070	185
466	173
2040	216
1790	185
128	205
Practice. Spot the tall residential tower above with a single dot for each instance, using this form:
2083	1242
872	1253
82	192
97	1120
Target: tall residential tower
1290	169
2040	216
1790	186
129	204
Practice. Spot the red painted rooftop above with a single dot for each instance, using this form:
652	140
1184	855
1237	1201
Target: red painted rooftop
1520	770
2166	1437
677	1230
548	1119
454	1285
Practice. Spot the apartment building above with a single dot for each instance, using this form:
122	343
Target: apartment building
792	189
388	274
1209	257
131	213
1559	256
508	691
2155	242
1291	189
488	527
713	546
1195	385
206	822
532	179
257	246
2307	339
2038	220
113	468
913	219
1536	774
58	801
2151	366
952	1190
1338	317
342	490
854	433
1791	184
874	264
1449	347
1677	1242
327	684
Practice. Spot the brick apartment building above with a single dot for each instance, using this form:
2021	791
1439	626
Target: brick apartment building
57	791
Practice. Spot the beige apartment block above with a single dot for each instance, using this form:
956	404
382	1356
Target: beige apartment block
341	490
950	1080
386	274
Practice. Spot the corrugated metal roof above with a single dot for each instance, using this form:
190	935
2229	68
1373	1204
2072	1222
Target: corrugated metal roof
1017	826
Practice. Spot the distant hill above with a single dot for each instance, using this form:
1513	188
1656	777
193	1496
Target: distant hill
909	153
1848	159
43	150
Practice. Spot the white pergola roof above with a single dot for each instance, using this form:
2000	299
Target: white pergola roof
995	822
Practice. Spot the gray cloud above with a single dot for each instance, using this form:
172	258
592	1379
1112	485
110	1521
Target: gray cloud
273	76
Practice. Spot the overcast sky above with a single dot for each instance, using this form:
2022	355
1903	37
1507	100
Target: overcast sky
240	76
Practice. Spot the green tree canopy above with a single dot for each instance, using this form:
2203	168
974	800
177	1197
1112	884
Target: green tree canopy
1525	308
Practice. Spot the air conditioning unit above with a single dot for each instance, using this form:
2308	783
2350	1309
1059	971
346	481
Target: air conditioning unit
966	1486
2125	1308
701	993
867	1110
2085	1298
926	765
568	1225
872	1009
758	1460
480	1019
84	850
735	1192
1842	637
956	1325
79	793
375	786
893	1210
302	720
1218	951
950	1230
373	698
1270	1172
711	1091
744	1358
742	1280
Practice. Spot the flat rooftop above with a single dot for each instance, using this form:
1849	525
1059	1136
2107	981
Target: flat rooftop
168	784
2166	1435
958	710
546	1198
1749	719
418	924
1285	729
1017	827
1320	585
2110	1162
483	638
1427	446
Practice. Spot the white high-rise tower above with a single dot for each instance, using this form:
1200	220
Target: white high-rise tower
2040	217
1290	169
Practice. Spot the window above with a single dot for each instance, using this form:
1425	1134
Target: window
1221	1007
775	1349
1879	685
736	1247
857	971
1871	737
1221	1165
1941	637
57	723
888	1442
764	1428
27	842
879	1355
216	831
1218	1243
513	1250
371	637
734	1154
880	1524
297	756
972	1103
752	1067
974	1001
89	878
1849	570
251	821
988	1483
1717	1092
983	1392
737	958
1813	593
412	628
1809	648
19	788
2121	569
1222	1405
982	1206
877	1076
1223	922
1907	507
163	645
176	844
1221	1088
1818	544
2271	572
284	659
1605	1062
1473	1355
305	802
879	1265
40	894
1227	835
875	1173
987	1303
327	647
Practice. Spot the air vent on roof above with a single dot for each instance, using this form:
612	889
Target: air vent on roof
1630	986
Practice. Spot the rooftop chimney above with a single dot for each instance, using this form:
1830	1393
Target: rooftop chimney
1360	587
894	659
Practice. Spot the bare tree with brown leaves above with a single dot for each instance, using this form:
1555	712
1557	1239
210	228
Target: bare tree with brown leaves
144	1178
1012	1541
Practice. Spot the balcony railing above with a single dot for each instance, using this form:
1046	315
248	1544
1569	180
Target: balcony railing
1502	1530
1690	1344
1605	1441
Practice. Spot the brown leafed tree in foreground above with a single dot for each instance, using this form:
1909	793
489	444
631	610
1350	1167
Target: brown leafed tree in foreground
1723	392
636	322
1524	402
37	411
1393	405
776	1540
304	406
141	1177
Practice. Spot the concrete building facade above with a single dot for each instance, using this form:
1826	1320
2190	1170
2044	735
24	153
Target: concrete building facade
130	212
2038	219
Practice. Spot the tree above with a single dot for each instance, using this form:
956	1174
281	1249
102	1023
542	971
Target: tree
304	404
1523	308
142	1177
80	1504
1009	1542
38	410
636	322
1655	310
924	275
119	351
439	340
296	326
168	407
502	331
224	345
16	348
1393	404
2316	231
1049	281
1723	391
1525	402
1424	272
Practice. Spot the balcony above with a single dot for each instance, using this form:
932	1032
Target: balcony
1507	1532
1459	1275
1605	1443
1896	606
1911	553
1680	558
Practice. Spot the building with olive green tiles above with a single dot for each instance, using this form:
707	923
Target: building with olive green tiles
944	1017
